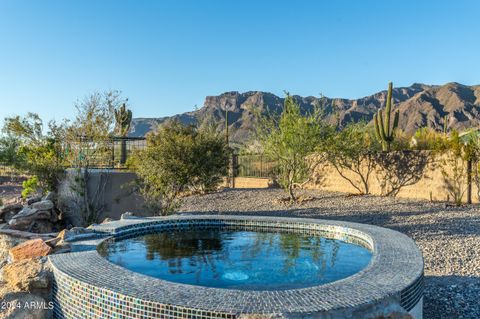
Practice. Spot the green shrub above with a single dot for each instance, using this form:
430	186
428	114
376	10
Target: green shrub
428	139
9	146
290	139
30	187
178	159
454	166
36	153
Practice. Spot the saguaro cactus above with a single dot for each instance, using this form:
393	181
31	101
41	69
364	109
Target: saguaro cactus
226	127
383	130
445	124
123	118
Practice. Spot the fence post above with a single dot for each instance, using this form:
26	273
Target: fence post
233	171
469	181
123	151
113	153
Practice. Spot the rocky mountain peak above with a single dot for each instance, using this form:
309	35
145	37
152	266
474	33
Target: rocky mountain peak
420	105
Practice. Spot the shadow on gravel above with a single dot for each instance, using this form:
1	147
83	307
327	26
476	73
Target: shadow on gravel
467	226
449	297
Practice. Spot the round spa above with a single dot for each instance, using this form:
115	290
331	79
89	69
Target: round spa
214	266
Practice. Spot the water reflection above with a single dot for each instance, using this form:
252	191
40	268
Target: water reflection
240	259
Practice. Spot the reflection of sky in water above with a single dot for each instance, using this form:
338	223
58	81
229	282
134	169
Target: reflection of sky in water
240	259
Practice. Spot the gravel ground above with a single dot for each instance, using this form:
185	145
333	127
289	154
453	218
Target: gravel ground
449	237
10	189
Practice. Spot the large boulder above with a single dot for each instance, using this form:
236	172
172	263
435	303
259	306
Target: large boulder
76	233
10	210
43	205
33	199
7	242
11	207
27	288
24	219
30	249
7	217
42	227
32	275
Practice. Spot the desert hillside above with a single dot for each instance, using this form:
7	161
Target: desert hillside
420	105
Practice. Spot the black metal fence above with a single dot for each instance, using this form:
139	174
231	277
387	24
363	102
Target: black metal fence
110	153
254	165
130	144
114	153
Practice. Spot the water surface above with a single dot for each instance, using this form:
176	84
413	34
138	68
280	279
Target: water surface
240	259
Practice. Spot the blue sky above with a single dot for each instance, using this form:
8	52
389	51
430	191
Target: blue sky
166	56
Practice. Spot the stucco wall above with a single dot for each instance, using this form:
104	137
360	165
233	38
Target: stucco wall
248	182
430	187
118	195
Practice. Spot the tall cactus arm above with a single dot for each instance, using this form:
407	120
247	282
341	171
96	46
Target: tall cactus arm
388	109
128	123
395	120
123	119
445	124
377	128
382	128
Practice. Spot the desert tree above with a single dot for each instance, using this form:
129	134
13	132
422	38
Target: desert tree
292	138
34	149
401	168
9	146
352	152
454	166
87	145
179	159
407	160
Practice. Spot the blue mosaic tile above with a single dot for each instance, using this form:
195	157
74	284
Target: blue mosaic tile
88	286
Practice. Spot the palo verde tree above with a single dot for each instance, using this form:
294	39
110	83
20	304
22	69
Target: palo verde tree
123	119
290	139
401	168
9	146
352	152
456	165
33	151
88	145
385	132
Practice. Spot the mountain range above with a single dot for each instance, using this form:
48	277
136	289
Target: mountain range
420	105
